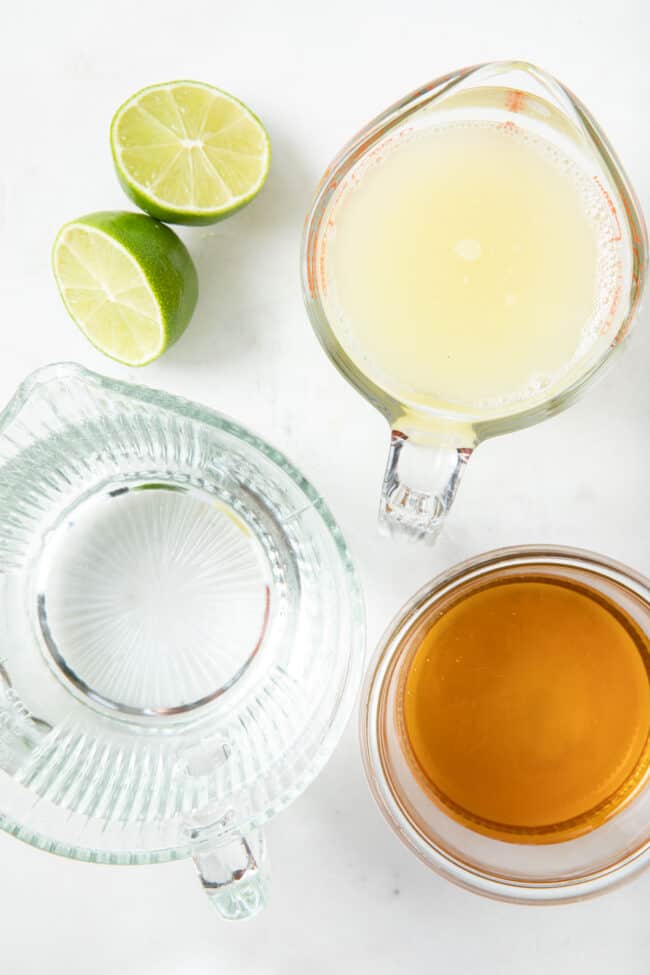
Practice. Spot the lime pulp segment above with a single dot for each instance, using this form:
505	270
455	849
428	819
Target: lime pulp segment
108	296
189	153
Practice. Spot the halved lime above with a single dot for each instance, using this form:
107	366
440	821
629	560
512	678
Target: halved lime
127	281
189	153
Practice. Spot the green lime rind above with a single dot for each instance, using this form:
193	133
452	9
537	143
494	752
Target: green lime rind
163	210
166	267
179	217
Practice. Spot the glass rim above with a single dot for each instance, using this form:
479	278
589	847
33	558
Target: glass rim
497	886
347	158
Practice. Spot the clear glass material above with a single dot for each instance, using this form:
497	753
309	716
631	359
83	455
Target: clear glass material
430	446
181	631
519	872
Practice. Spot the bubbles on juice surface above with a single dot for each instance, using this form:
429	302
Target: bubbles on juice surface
458	332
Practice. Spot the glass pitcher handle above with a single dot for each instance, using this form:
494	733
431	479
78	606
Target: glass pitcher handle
420	484
232	867
233	870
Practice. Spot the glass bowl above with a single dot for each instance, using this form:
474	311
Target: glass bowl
181	631
518	872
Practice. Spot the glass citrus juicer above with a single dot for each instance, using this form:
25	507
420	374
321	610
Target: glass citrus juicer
472	258
181	631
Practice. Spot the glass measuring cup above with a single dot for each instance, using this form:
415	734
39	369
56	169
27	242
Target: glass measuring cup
432	441
181	631
523	871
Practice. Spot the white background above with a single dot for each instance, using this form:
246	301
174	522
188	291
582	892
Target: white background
347	896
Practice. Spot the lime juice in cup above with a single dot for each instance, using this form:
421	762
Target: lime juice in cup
473	265
471	259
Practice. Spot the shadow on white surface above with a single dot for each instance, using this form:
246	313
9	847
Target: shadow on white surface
347	897
244	278
315	75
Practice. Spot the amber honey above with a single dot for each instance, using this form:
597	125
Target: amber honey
525	708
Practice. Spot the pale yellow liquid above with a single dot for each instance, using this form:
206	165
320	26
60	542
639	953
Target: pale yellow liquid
471	265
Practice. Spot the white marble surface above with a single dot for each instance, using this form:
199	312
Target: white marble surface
347	896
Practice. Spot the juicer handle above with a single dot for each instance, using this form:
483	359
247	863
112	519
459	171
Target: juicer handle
420	484
233	870
232	867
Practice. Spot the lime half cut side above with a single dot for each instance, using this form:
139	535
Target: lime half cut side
189	153
127	281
